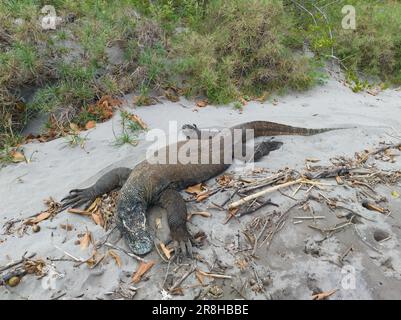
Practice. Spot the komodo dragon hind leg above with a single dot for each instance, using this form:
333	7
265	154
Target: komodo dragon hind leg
172	201
110	181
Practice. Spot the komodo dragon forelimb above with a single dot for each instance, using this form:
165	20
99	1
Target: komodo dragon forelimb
154	183
114	179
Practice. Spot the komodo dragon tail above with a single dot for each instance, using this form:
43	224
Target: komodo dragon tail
267	128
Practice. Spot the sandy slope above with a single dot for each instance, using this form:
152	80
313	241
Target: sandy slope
56	168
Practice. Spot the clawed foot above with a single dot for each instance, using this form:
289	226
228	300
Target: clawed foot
183	248
76	198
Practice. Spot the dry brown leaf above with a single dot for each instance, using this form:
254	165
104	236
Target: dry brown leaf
339	180
243	101
166	251
201	103
202	196
242	264
93	207
90	125
34	266
196	189
92	259
138	120
177	292
40	217
82	212
204	214
74	127
85	240
224	180
116	257
98	218
17	156
324	295
200	277
142	269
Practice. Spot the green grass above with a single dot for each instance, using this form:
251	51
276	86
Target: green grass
129	132
227	49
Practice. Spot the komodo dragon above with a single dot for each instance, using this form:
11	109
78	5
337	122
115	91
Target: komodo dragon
159	184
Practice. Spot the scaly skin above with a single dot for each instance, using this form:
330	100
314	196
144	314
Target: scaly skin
150	183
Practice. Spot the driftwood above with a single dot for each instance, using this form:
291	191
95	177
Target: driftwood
240	202
328	173
378	150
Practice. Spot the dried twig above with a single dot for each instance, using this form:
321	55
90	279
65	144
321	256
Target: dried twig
181	280
240	202
130	254
13	264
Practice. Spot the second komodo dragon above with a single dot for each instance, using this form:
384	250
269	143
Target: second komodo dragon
152	183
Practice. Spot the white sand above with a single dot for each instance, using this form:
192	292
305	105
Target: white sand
56	168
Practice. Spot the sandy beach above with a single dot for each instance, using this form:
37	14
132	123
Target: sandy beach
298	262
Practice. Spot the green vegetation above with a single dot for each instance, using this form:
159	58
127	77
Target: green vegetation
223	50
130	130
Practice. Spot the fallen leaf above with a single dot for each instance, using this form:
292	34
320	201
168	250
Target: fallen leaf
17	156
312	160
40	217
86	240
74	127
90	124
202	196
138	120
142	269
82	212
204	214
243	101
92	259
94	205
177	292
323	295
166	251
34	266
224	180
339	180
196	189
98	218
201	103
242	264
395	194
116	257
200	277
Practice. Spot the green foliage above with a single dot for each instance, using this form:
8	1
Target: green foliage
221	49
129	133
241	48
372	49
